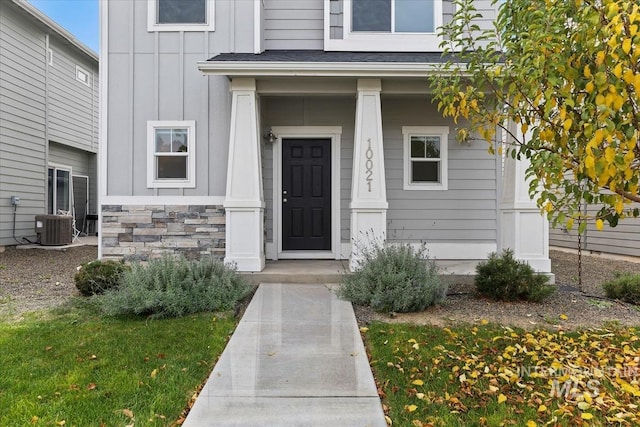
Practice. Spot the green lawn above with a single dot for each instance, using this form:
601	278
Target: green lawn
487	375
75	368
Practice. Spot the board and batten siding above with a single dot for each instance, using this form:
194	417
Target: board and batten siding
624	239
154	76
293	24
22	122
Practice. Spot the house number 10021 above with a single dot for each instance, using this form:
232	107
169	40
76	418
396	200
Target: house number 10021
369	165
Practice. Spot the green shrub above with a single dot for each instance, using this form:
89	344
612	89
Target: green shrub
625	287
504	278
96	277
173	288
394	278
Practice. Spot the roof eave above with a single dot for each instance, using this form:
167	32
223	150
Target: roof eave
36	13
316	69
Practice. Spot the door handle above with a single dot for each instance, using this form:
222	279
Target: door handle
284	192
284	200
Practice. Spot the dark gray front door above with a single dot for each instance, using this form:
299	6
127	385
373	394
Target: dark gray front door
306	194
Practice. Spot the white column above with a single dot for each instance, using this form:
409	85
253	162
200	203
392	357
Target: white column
244	202
368	188
522	226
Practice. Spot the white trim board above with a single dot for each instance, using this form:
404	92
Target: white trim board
332	132
162	200
448	251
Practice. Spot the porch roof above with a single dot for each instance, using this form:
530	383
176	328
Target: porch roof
320	63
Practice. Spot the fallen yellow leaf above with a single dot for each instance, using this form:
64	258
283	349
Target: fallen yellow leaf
586	416
154	373
417	382
410	408
542	408
502	398
564	317
531	423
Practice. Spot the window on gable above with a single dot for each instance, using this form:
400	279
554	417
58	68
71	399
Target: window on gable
82	76
180	15
171	157
393	16
425	157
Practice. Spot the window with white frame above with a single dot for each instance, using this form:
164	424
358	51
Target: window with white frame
393	16
425	157
171	154
82	75
59	189
388	26
180	15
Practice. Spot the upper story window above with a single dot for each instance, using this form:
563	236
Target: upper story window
180	15
386	26
425	157
393	16
171	154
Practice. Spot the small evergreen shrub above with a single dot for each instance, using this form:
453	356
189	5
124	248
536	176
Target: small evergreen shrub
96	277
504	278
173	288
624	287
394	278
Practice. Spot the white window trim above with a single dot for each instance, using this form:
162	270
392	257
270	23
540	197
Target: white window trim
79	69
190	182
56	167
386	42
152	25
443	133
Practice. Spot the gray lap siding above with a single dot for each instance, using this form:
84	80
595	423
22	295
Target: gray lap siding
466	212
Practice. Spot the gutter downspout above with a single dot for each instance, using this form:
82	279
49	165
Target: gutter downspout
46	117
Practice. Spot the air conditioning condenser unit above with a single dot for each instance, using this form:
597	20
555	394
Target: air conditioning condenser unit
54	230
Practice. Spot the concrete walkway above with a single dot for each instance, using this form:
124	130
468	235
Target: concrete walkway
295	359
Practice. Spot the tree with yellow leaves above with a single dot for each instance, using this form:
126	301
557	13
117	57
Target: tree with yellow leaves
567	74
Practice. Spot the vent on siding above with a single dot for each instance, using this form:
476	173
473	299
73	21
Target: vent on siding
54	230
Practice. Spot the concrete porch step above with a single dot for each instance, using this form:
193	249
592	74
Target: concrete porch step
300	271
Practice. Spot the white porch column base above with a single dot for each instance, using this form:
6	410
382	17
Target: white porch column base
522	227
243	247
371	225
244	203
368	186
526	232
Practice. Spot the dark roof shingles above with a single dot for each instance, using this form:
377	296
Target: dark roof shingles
322	56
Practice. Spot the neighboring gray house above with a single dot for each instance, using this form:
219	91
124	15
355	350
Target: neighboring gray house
293	129
48	122
624	239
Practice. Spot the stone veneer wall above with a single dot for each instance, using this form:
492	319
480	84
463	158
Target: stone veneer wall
143	232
